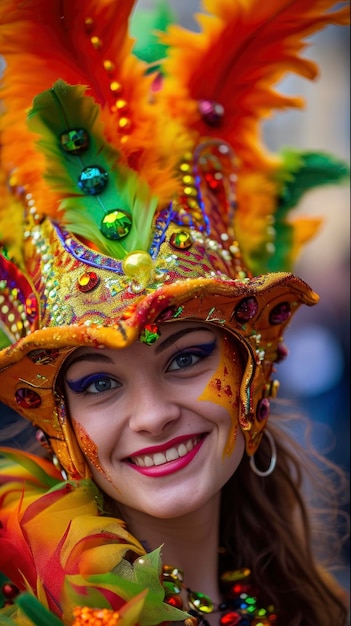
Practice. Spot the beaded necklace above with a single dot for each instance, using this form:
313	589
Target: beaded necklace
240	608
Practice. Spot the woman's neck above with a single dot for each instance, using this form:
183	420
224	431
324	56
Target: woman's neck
189	542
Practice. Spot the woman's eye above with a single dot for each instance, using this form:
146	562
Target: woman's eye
184	360
101	384
95	383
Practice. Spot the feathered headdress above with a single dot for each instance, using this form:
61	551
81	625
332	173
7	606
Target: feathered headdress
137	193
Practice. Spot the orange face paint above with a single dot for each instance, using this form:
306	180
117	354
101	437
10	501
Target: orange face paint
89	448
224	387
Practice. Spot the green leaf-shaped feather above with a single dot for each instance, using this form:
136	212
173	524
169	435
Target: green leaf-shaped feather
66	108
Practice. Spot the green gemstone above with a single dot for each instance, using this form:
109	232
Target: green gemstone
200	602
93	180
75	141
116	224
149	334
181	240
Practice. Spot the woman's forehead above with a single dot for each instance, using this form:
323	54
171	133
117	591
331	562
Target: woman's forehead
169	334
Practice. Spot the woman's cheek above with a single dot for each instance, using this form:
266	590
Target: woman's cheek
223	389
88	447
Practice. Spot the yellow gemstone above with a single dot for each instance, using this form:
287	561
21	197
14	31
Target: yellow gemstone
115	87
109	66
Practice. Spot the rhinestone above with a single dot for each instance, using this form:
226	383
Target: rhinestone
9	590
93	180
116	224
27	398
150	334
280	313
115	87
75	141
246	310
181	240
87	281
31	307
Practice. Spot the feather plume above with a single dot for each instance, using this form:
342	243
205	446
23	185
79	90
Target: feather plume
243	50
86	43
67	107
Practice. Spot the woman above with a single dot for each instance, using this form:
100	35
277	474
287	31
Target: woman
144	301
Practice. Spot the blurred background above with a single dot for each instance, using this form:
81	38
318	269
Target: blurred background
316	374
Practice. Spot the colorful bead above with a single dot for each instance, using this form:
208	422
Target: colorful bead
235	575
87	281
10	591
230	619
211	112
27	398
31	307
280	313
75	141
263	409
176	574
200	602
93	180
116	224
181	240
150	334
246	310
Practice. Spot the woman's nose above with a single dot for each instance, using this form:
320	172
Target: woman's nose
153	409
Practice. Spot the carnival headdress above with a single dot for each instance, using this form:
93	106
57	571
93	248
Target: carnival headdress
136	194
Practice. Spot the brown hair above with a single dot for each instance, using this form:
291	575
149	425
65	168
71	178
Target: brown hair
267	526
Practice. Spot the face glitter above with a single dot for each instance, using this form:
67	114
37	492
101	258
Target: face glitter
223	389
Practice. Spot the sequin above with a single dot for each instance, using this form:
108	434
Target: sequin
263	409
75	141
200	602
93	180
211	112
181	240
280	313
88	281
27	398
235	575
116	224
246	310
150	334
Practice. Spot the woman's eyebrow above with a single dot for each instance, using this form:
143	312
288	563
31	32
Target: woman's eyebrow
173	338
91	357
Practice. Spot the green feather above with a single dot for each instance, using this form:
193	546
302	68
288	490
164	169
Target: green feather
64	108
37	613
302	171
144	28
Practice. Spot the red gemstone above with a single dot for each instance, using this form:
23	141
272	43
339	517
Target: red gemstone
27	398
230	619
175	601
280	313
246	310
87	281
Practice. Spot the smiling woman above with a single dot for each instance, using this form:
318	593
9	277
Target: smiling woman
145	288
166	410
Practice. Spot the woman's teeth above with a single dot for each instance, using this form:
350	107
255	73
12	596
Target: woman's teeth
159	458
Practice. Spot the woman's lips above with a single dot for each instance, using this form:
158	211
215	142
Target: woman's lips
168	458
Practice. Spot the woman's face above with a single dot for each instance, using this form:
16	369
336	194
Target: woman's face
158	424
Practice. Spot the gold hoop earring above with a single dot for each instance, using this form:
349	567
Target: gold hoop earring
273	462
